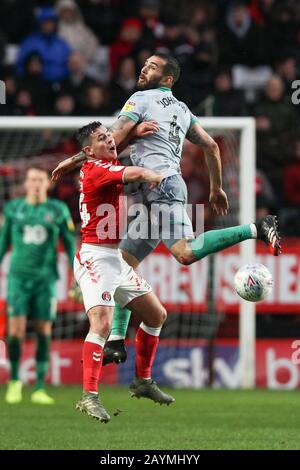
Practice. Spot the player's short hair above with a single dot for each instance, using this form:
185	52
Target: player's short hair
38	168
171	66
83	134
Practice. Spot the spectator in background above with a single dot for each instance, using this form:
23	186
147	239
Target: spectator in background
297	48
142	55
202	16
225	100
265	196
16	19
33	81
276	113
291	178
173	41
11	84
64	105
149	11
241	40
53	51
286	67
283	30
2	48
290	213
99	69
83	41
72	29
127	42
261	11
96	101
103	17
276	123
179	7
197	76
77	80
124	84
24	104
200	22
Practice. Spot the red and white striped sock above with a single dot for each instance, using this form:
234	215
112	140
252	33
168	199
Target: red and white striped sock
147	339
92	355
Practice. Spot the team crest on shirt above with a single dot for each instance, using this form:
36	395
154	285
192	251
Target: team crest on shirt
116	168
106	296
129	106
48	217
70	225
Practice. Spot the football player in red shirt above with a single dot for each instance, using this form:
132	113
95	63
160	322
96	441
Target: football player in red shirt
103	275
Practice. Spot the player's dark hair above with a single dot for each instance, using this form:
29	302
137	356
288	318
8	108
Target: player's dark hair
39	168
171	66
83	134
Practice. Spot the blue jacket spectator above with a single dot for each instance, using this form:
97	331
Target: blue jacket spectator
53	51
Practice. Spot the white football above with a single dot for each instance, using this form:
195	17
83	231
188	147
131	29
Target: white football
253	282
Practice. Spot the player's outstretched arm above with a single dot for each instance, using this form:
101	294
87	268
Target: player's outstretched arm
121	129
67	165
140	130
198	136
124	128
142	175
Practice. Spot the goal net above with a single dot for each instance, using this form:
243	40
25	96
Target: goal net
200	298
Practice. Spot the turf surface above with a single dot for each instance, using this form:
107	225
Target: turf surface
204	419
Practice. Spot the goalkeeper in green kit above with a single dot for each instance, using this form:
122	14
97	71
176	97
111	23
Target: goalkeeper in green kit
32	226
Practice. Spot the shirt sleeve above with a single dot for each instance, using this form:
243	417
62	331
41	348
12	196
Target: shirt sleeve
107	175
5	232
194	119
134	108
67	233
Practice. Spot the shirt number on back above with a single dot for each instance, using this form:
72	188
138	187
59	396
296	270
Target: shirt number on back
84	214
174	133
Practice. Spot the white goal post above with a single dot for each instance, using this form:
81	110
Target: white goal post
246	126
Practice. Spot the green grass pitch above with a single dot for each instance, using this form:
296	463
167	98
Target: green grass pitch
200	419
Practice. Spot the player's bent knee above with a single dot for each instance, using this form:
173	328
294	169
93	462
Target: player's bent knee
17	327
44	327
101	328
159	318
105	327
163	315
17	332
101	320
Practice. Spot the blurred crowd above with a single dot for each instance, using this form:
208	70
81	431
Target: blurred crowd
238	58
